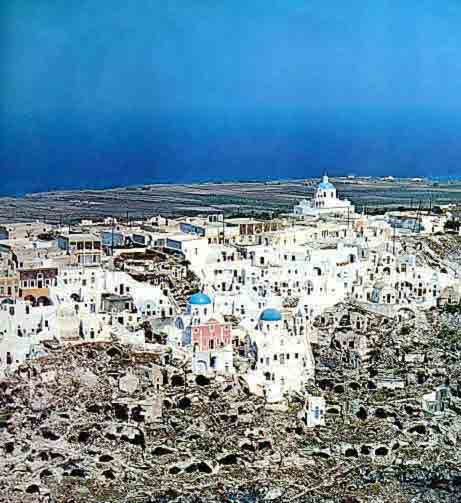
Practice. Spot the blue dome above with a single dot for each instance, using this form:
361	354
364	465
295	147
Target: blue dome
270	315
39	354
199	299
326	186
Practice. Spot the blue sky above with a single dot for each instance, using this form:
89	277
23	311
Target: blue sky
115	92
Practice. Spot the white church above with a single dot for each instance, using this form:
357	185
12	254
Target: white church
283	356
325	201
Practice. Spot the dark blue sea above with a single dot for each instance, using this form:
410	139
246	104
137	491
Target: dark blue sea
69	152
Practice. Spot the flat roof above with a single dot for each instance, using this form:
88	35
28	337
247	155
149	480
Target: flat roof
184	237
80	236
245	220
194	221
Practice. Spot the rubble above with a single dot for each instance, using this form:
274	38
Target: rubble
160	268
101	422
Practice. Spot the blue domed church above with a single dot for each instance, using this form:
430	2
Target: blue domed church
206	335
325	201
283	359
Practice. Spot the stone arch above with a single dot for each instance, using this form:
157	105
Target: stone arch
382	451
405	314
114	352
43	301
365	450
420	429
177	380
354	385
380	413
339	388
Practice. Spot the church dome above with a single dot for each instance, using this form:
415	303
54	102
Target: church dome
270	314
325	184
39	354
199	299
379	285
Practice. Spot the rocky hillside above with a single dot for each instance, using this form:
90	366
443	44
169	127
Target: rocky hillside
101	423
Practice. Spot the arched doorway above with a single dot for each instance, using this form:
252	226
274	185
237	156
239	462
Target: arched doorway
43	301
31	299
214	362
75	297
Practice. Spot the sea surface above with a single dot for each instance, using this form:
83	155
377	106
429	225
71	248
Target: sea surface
69	152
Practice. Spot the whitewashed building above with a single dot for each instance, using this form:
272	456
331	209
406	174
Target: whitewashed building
324	202
283	358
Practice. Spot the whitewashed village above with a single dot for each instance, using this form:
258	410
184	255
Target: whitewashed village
297	348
